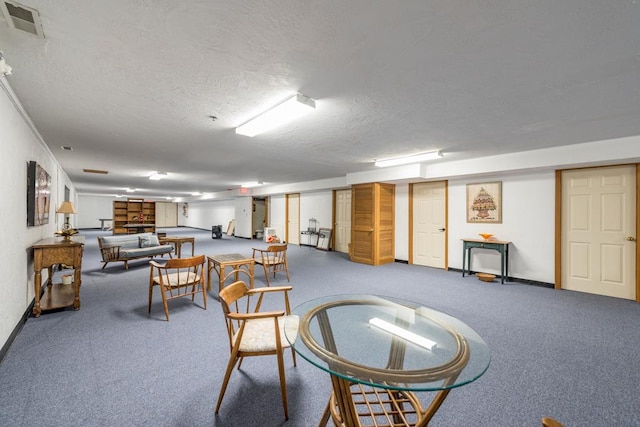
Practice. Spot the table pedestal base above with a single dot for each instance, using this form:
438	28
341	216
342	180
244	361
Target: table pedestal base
355	405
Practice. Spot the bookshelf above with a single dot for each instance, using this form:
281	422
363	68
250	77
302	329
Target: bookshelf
133	211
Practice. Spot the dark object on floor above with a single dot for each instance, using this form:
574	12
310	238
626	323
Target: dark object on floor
216	232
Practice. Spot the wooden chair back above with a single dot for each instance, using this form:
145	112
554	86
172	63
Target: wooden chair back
178	277
550	422
273	259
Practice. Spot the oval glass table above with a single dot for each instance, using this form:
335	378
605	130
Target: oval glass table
380	351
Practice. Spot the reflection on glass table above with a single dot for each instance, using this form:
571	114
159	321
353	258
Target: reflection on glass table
380	350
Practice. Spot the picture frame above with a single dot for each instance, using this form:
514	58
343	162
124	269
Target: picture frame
484	202
324	239
38	195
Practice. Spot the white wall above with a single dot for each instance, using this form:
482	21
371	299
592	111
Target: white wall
21	143
528	220
206	214
90	208
316	205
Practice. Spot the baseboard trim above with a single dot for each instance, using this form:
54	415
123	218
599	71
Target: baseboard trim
516	279
16	331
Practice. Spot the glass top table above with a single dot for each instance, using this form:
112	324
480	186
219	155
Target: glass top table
385	343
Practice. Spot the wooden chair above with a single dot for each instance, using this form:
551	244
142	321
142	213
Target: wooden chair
255	333
550	422
178	277
272	259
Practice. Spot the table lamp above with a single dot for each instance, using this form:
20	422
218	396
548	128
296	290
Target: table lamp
66	208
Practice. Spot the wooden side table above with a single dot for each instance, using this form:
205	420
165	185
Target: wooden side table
177	243
238	263
497	245
48	253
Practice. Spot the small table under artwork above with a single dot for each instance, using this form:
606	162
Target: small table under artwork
497	245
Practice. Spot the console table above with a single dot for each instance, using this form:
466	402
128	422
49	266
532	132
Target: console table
47	253
498	245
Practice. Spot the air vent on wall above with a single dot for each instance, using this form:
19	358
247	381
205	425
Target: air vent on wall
22	18
95	171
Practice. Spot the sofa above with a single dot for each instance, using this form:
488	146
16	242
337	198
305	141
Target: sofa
127	247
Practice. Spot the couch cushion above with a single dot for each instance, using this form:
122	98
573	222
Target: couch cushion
124	241
143	252
148	239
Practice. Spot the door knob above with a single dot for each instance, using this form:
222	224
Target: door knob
370	230
441	229
631	238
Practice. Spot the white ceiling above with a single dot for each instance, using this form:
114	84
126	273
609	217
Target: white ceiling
131	85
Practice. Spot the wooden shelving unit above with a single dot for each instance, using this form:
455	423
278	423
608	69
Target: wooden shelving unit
133	211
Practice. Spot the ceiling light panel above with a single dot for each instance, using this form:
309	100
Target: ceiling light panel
288	110
414	158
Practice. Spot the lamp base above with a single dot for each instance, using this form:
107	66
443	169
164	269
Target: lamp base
66	234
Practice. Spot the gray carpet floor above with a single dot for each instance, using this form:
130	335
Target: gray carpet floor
564	354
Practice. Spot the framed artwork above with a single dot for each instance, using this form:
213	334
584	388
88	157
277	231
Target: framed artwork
484	202
324	239
38	195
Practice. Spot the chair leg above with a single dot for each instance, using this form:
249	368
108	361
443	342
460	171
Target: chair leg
227	375
150	295
283	384
266	275
293	356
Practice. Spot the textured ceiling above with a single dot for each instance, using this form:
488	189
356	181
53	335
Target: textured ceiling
131	85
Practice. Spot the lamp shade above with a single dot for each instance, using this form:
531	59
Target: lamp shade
66	208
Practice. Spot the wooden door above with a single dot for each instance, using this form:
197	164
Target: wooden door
372	223
342	226
598	231
293	219
428	224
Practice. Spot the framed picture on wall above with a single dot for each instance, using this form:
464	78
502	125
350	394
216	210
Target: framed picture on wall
38	194
484	202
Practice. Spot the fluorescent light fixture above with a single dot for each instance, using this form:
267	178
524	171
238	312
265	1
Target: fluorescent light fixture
196	193
158	175
252	184
414	158
403	333
131	190
288	110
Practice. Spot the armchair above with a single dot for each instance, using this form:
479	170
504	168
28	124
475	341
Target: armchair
254	333
177	278
272	259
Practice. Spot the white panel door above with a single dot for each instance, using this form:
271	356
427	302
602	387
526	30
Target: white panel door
293	219
342	234
429	219
598	231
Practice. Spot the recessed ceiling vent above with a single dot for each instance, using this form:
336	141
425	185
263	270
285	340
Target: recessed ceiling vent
95	171
22	18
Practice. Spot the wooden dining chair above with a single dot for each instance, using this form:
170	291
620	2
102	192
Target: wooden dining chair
255	333
272	260
550	422
177	278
